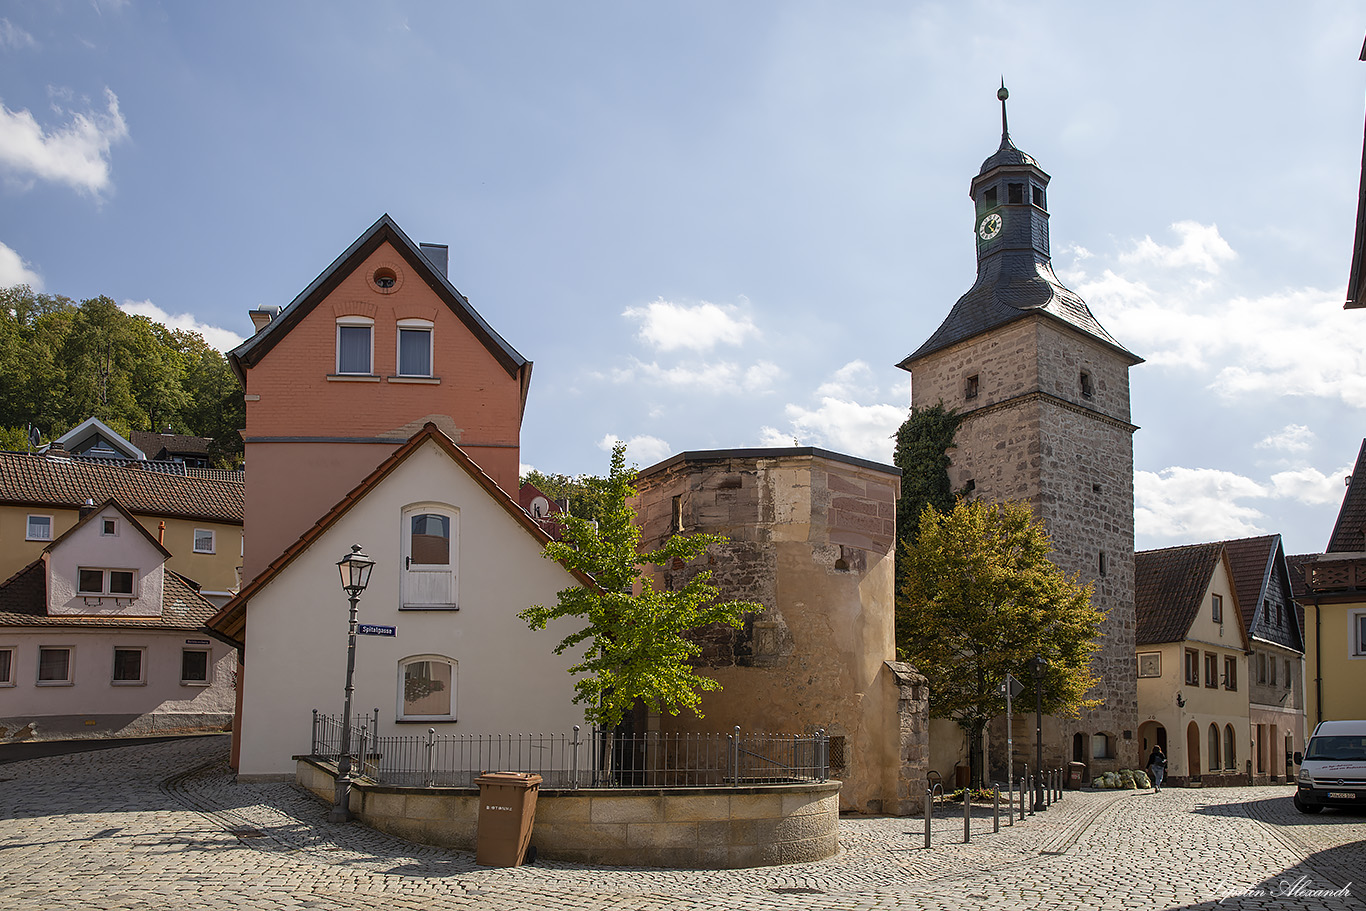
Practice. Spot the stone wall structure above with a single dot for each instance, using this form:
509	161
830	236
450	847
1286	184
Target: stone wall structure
1043	391
811	536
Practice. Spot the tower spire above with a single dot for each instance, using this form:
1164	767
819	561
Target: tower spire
1003	93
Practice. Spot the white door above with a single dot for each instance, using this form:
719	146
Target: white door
428	561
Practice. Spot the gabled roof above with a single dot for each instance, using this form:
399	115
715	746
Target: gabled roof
1255	562
231	619
1169	588
1349	532
23	602
97	511
250	352
73	438
40	481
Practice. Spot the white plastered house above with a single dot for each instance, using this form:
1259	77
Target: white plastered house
99	639
456	559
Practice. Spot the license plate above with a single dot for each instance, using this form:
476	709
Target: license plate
1342	795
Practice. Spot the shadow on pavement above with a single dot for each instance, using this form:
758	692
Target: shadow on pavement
37	749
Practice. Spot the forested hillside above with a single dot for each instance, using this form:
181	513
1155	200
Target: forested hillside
62	362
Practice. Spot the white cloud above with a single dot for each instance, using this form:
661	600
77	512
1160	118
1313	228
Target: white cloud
713	377
643	450
1292	438
1196	504
14	271
1200	246
1207	504
218	338
76	154
848	427
12	36
849	381
668	326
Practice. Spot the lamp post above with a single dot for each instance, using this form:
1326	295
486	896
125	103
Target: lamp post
1036	667
355	576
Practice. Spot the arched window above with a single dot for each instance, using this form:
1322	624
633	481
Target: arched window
1214	748
426	688
1230	748
431	538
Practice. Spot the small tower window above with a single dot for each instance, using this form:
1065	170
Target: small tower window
969	486
1096	488
1102	563
1038	196
989	197
970	387
1087	389
1015	192
678	512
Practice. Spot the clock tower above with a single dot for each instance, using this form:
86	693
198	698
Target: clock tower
1043	392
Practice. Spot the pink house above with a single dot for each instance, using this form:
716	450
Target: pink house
376	346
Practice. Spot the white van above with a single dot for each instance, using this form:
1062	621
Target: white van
1333	767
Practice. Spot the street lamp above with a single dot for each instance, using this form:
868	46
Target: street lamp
355	576
1036	667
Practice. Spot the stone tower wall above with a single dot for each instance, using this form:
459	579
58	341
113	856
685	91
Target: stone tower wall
1032	434
810	539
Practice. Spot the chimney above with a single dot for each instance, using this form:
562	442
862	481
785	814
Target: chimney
261	316
88	508
57	451
438	255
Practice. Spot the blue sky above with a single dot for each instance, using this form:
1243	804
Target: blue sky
722	224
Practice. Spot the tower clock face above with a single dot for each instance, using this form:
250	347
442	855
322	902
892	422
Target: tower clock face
989	227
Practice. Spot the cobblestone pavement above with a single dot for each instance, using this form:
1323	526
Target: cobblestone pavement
164	826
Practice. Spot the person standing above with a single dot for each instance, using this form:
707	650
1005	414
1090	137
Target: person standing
1157	767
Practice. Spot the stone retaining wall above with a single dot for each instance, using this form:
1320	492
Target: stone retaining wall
699	828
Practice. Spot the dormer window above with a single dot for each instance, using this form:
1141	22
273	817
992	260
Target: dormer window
989	197
970	387
1015	193
1038	196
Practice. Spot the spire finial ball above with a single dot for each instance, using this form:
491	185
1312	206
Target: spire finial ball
1003	93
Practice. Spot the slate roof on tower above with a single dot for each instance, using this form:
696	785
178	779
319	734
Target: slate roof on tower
385	229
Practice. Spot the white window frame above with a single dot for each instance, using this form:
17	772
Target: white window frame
412	325
400	712
109	527
1216	608
70	679
106	575
355	322
1157	656
208	667
28	527
1356	634
8	679
142	666
213	541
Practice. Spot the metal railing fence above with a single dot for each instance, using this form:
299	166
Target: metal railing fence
596	759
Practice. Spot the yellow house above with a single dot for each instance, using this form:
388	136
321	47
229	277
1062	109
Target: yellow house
1191	646
1334	602
198	519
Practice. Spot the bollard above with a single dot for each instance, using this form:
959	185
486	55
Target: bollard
1022	798
1032	799
1058	782
996	810
1047	784
929	805
967	814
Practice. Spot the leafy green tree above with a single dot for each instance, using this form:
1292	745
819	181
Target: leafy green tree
637	643
586	493
979	599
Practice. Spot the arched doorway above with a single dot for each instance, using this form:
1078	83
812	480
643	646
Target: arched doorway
1193	751
1151	734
